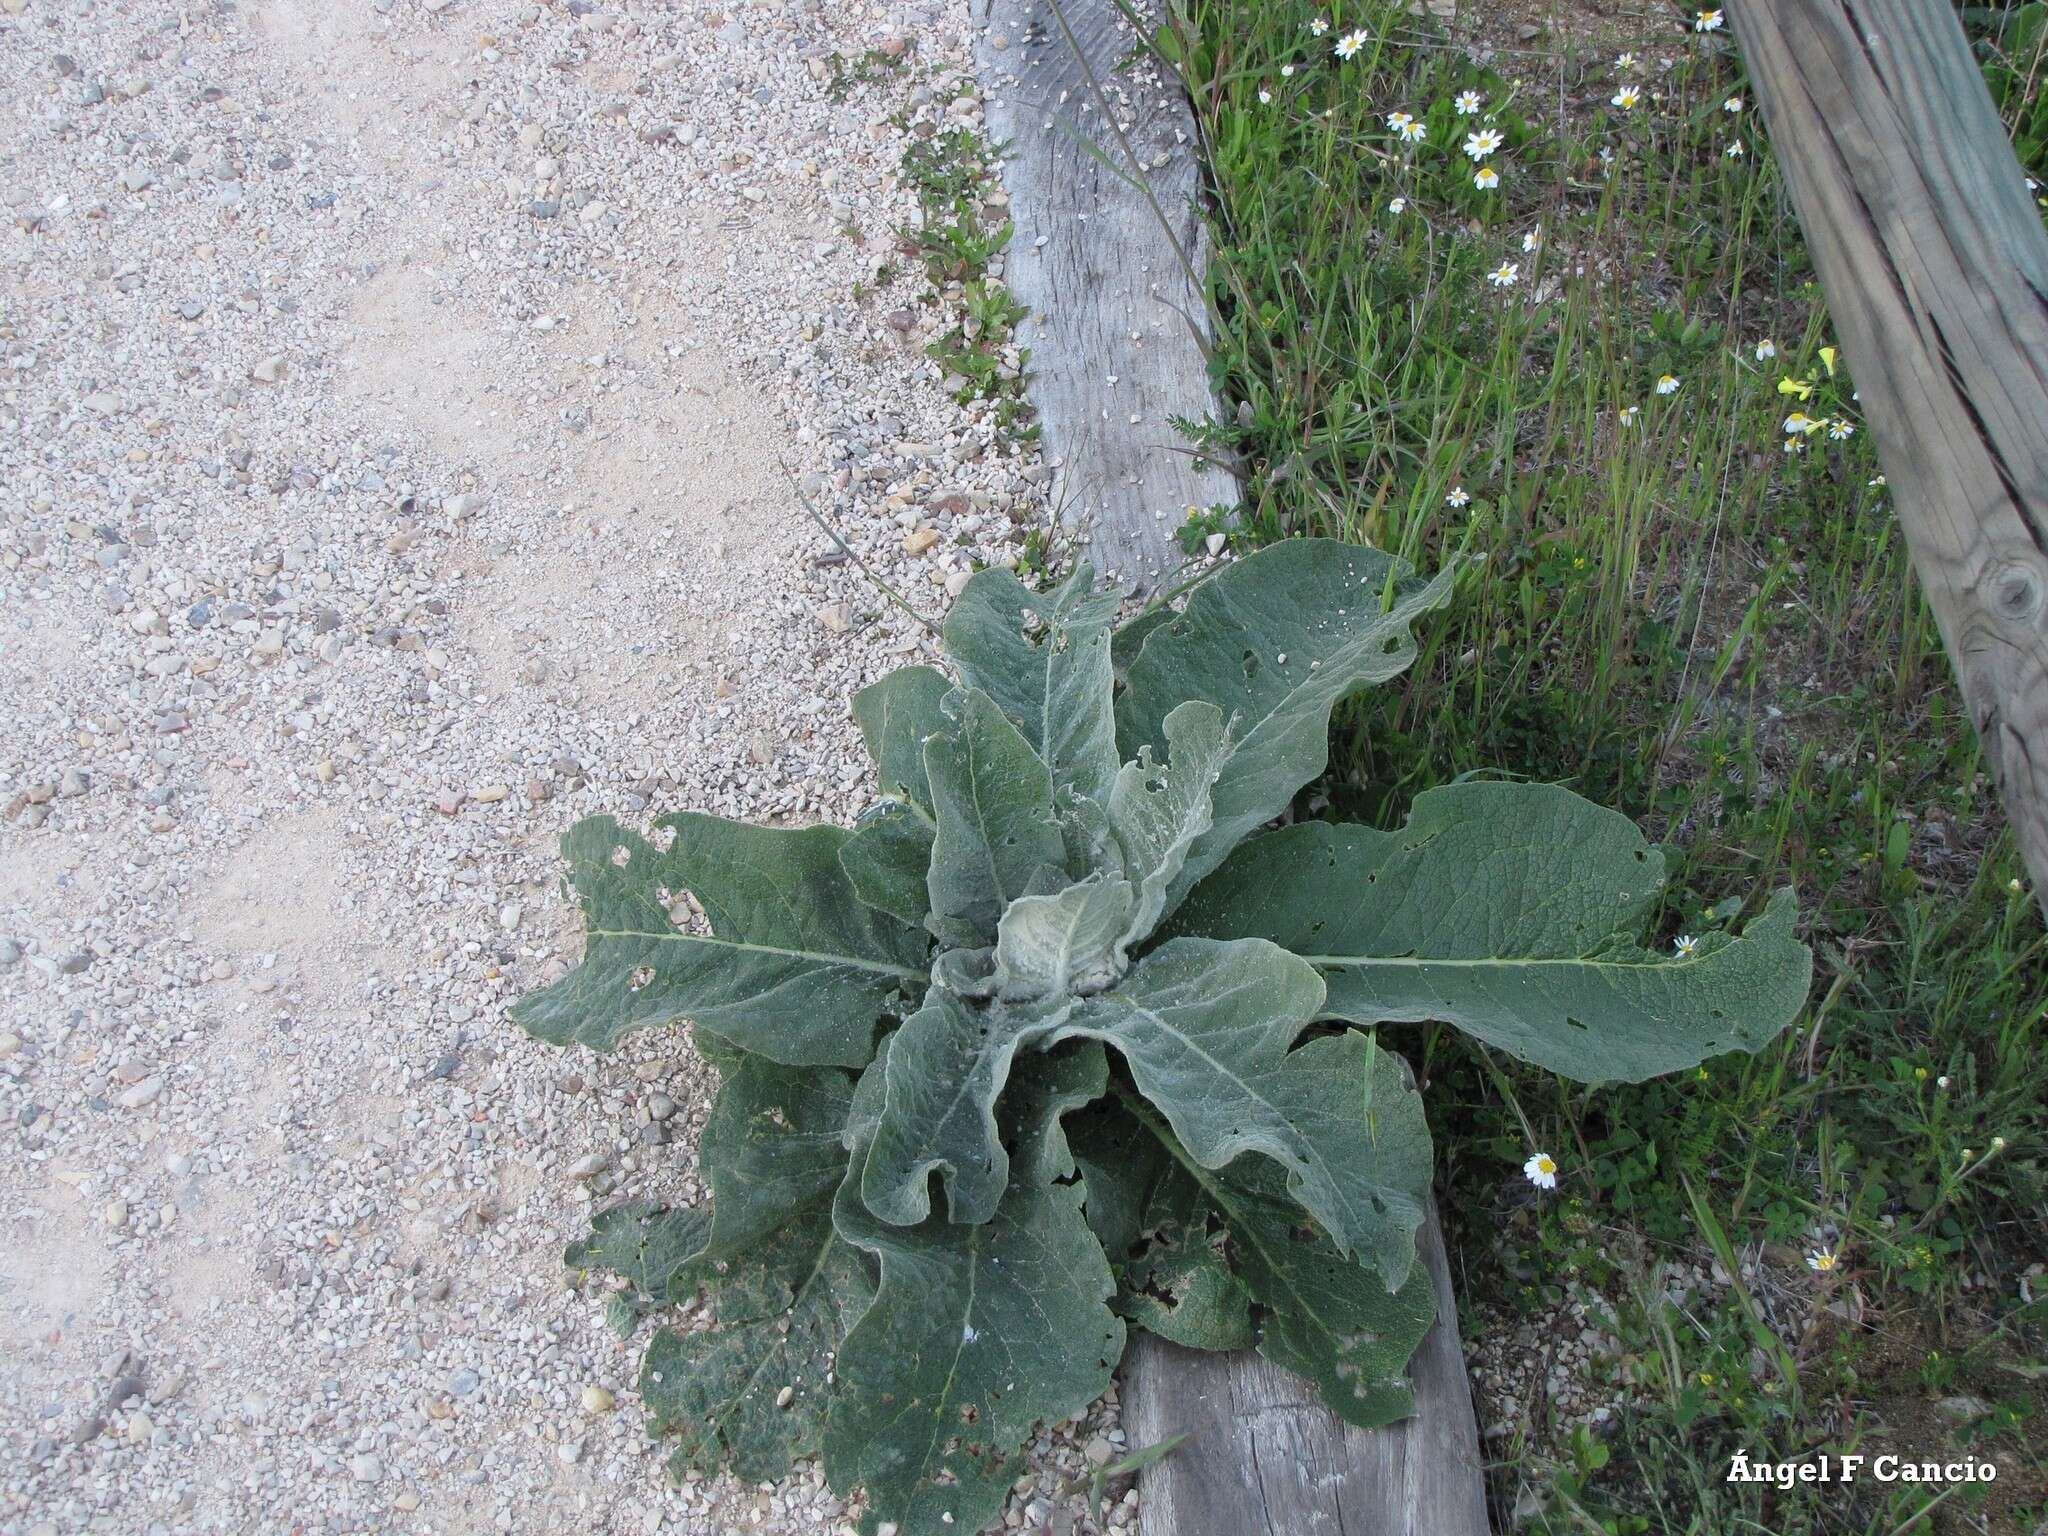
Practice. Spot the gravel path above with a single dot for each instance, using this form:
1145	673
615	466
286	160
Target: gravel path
399	402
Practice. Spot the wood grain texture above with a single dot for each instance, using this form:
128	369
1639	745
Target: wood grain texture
1113	353
1265	1458
1931	254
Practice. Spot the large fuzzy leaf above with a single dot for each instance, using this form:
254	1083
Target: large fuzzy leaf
656	1249
1207	1029
1120	1161
783	1312
1129	639
795	967
888	858
783	1287
1055	684
1509	910
1324	1316
1051	945
1275	642
997	840
945	1069
772	1146
977	1333
895	716
1178	1283
1157	811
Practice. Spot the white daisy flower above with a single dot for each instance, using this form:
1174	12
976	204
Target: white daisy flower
1707	21
1734	151
1626	98
1766	349
1732	104
1799	423
1541	1170
1483	143
1533	238
1349	44
1286	71
1398	121
1414	133
1398	205
1685	946
1487	179
1467	103
1840	431
1821	1260
1458	497
1629	413
1668	384
1318	25
1504	275
1624	62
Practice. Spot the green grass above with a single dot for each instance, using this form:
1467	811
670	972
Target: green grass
1663	607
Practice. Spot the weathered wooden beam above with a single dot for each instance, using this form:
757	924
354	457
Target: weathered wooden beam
1931	254
1112	357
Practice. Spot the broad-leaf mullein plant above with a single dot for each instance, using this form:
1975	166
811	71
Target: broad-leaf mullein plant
1065	1036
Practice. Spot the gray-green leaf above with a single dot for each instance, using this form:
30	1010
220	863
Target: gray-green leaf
887	857
1275	642
977	1333
996	840
1048	946
795	967
655	1248
944	1071
784	1288
1326	1318
1056	684
1156	811
895	716
1207	1029
772	1145
1179	1283
783	1313
1509	910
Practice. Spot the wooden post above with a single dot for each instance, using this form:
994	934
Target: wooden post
1114	358
1931	254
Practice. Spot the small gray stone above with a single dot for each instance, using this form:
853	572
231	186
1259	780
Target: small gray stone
143	1093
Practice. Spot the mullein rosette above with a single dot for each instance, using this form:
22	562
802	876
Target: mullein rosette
1062	1036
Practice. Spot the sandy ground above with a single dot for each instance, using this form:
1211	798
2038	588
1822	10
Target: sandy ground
401	403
